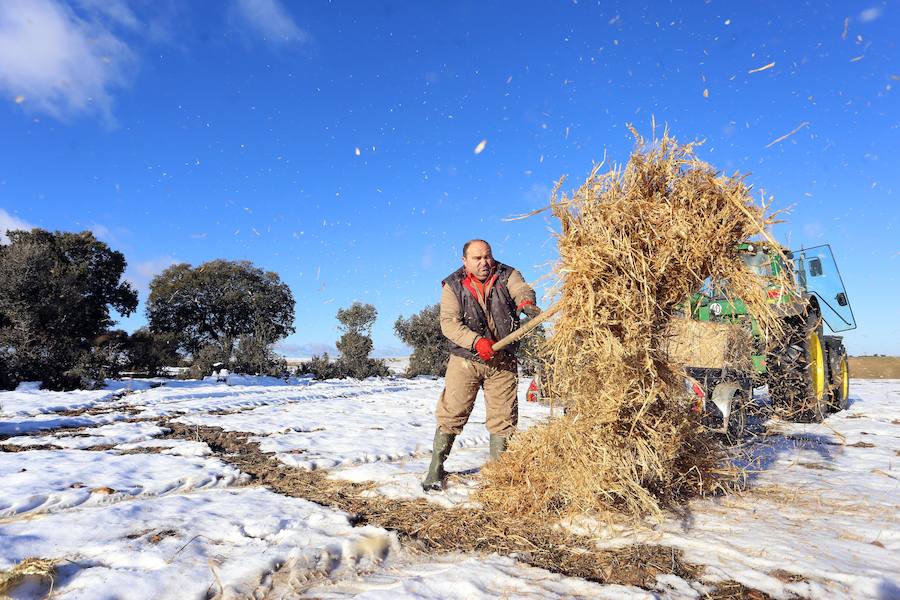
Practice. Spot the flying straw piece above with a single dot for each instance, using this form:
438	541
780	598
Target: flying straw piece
763	68
787	135
480	147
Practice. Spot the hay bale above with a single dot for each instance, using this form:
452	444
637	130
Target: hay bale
635	242
695	343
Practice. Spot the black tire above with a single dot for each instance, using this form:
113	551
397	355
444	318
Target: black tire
840	381
797	372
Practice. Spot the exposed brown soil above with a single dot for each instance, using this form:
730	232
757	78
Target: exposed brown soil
430	528
786	576
817	466
96	448
16	448
92	411
732	590
875	367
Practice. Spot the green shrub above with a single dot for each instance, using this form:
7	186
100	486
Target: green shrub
422	333
321	367
254	356
56	291
149	352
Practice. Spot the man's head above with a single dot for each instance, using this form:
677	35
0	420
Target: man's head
477	259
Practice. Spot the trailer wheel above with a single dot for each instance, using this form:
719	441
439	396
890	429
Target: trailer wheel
797	373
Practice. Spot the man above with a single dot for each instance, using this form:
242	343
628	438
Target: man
480	304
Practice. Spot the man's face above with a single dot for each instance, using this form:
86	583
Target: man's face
478	260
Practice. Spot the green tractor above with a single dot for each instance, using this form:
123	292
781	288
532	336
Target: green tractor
807	372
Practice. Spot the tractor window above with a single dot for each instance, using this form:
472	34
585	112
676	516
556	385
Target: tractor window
759	262
818	275
815	267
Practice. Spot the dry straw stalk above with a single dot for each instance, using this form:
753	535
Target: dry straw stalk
30	567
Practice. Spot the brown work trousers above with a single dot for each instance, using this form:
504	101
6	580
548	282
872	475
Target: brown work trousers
461	384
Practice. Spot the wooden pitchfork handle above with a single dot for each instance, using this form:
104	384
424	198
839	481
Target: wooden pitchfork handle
525	329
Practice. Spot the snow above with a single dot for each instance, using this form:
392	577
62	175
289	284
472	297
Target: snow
28	401
489	577
47	422
173	447
232	536
819	508
41	481
105	435
821	517
389	422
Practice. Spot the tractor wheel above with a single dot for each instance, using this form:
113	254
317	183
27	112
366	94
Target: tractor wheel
840	383
797	373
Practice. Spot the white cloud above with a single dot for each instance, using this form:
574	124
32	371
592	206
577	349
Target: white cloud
101	231
116	11
116	236
56	62
870	14
270	19
9	222
141	273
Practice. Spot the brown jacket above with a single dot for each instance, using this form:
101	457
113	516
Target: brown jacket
464	325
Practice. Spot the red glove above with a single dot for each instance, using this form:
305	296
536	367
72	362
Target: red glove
484	350
529	308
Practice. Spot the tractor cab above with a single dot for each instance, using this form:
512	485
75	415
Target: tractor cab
818	277
815	275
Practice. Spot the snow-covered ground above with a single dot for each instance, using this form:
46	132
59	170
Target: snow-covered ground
90	479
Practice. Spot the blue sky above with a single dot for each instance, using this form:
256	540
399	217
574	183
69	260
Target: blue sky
334	142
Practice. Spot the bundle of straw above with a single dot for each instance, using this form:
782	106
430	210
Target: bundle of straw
30	567
635	242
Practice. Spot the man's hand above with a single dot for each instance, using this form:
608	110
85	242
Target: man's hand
530	309
484	350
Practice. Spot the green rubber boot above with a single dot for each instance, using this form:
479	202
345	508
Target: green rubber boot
498	445
443	442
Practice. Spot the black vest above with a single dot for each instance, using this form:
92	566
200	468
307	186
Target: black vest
499	302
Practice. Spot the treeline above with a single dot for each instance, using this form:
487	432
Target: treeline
57	290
